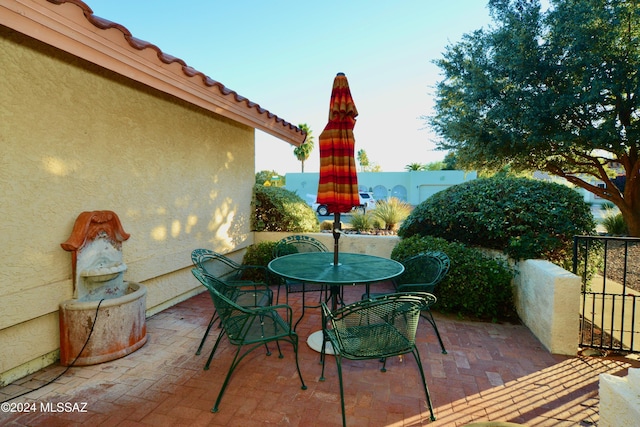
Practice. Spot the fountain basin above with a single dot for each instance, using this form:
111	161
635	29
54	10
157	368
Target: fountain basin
120	327
104	273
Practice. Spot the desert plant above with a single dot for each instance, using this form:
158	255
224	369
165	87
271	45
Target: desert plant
377	223
476	284
525	218
614	223
361	221
326	225
278	209
392	212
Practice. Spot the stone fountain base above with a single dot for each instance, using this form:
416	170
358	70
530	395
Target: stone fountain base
120	327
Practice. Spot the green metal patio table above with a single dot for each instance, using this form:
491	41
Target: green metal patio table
319	267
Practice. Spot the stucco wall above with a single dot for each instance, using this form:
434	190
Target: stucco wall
78	138
547	299
620	399
359	244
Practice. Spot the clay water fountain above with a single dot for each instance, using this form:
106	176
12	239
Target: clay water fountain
107	313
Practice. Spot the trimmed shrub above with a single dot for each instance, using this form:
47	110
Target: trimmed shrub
476	284
524	218
258	254
278	209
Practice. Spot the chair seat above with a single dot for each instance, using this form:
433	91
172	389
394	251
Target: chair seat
422	272
365	342
254	329
253	299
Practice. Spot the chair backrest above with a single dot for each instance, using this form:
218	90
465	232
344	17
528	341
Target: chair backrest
222	296
216	264
298	243
425	268
374	317
210	281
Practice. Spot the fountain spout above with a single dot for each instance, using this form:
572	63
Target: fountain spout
96	244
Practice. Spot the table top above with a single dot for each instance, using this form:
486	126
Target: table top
352	268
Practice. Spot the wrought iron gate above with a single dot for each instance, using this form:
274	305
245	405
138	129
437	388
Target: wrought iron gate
610	309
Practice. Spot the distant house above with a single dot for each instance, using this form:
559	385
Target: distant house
412	187
92	118
588	196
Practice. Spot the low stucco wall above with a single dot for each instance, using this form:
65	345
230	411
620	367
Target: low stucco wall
620	399
355	243
547	299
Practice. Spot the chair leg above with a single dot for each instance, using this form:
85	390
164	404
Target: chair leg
206	334
293	338
294	342
234	363
339	364
416	356
431	320
384	364
213	351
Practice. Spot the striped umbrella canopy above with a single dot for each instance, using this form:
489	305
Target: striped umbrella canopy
338	185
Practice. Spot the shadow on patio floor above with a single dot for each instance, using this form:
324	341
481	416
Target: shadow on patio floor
492	372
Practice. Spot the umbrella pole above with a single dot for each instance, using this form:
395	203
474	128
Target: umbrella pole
336	236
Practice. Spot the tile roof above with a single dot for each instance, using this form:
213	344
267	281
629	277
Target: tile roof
59	23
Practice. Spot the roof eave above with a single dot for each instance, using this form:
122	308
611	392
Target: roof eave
70	25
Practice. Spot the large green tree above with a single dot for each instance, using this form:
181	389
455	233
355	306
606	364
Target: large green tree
303	152
553	90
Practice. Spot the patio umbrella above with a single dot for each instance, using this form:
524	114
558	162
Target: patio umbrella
338	185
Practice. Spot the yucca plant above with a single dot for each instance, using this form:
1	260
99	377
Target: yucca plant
392	212
615	224
361	221
613	221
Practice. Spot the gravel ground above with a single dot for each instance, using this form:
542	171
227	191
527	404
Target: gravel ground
615	264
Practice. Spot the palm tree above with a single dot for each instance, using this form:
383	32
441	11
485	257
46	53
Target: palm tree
363	159
414	167
303	152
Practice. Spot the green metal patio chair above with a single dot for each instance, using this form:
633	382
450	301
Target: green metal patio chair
375	328
246	293
298	244
248	298
422	272
247	328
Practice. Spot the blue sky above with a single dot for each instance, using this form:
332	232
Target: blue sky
284	54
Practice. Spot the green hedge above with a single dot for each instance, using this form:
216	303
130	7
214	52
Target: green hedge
258	254
522	217
476	284
278	209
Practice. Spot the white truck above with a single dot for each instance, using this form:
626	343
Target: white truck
366	202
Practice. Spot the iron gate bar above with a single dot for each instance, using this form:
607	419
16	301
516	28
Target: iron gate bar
610	301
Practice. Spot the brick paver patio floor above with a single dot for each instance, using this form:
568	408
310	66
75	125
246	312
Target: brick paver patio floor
492	372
